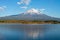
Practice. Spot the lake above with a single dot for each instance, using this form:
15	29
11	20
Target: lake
29	31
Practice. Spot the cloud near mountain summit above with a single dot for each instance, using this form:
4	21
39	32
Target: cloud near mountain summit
35	11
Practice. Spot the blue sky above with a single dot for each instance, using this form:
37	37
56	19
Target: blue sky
13	7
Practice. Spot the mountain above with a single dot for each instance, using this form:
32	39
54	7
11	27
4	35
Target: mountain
31	14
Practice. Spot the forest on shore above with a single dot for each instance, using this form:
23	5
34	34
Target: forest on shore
30	22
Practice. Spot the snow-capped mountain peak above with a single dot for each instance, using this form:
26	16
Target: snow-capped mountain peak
32	11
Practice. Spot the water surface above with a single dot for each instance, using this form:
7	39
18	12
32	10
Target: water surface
29	31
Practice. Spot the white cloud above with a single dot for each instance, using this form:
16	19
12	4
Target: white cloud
18	3
24	7
26	2
42	10
2	8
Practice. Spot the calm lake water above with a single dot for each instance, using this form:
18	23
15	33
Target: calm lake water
30	32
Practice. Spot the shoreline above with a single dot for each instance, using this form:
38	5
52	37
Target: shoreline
26	24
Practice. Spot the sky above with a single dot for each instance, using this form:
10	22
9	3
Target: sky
14	7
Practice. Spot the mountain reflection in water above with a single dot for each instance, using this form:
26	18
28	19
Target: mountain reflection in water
29	32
